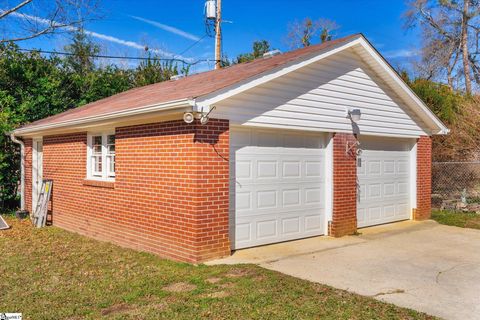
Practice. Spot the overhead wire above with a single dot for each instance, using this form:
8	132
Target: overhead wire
192	45
124	57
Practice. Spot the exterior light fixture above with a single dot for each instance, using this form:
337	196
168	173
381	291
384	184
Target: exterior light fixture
354	115
188	117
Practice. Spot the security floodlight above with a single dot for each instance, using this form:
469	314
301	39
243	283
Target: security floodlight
204	120
354	115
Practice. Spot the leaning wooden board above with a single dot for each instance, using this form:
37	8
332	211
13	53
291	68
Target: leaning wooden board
40	214
3	224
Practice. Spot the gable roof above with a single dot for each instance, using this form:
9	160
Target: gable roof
208	87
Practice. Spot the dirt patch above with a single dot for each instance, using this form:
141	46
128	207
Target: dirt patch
159	306
213	280
260	278
473	224
237	273
118	308
218	294
227	285
180	287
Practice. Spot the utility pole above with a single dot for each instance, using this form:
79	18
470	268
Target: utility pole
218	36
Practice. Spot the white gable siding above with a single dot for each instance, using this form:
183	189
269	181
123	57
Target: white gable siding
316	97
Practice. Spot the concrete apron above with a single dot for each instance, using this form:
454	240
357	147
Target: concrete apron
420	265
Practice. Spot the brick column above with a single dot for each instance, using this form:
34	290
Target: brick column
212	148
344	219
424	178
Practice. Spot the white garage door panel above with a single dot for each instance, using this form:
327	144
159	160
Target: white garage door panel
276	189
383	182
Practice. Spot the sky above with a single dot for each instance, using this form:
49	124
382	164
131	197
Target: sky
169	28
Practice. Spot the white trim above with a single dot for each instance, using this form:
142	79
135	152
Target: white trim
104	174
37	171
311	129
413	179
328	180
117	114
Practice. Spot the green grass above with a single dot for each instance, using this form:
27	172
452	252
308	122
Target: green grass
457	219
54	274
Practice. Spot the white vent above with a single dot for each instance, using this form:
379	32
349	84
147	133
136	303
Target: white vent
272	53
177	77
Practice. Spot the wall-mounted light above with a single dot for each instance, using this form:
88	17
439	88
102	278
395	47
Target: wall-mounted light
188	117
354	115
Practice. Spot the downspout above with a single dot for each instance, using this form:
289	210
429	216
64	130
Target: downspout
22	169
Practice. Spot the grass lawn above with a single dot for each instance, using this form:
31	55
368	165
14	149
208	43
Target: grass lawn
457	219
54	274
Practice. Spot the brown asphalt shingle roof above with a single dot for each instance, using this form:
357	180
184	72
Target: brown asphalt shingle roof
186	88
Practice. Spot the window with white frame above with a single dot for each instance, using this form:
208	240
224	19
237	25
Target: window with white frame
101	156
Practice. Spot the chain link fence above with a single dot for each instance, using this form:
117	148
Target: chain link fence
456	185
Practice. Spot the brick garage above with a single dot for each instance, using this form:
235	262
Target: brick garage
128	169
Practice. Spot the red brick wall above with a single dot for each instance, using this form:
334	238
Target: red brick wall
344	219
171	190
424	178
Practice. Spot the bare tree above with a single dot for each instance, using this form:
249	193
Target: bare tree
302	33
29	19
450	32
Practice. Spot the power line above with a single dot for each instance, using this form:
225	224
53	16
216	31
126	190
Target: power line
192	45
120	57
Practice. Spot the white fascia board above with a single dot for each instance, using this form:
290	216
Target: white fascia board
419	106
222	94
108	116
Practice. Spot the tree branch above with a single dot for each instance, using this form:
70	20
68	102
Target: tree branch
434	24
31	36
7	12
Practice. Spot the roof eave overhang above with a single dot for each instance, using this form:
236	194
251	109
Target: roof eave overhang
150	109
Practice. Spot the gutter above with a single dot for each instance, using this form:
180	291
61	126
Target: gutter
22	169
109	116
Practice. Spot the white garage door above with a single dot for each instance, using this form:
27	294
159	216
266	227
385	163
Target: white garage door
383	181
276	186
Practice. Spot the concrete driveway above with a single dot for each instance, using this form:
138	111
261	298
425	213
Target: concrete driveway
419	265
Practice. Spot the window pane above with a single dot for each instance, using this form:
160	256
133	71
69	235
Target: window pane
111	165
97	165
111	144
97	144
97	140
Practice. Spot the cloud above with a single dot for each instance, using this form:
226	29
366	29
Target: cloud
105	37
401	53
165	27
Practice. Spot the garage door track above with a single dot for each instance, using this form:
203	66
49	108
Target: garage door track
420	265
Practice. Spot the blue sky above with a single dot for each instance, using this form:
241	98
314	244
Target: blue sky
172	26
